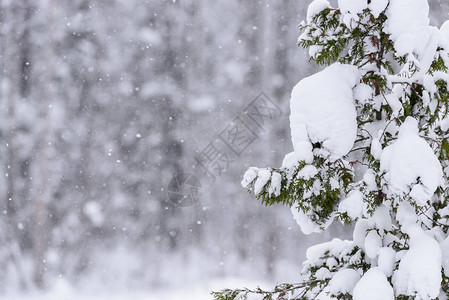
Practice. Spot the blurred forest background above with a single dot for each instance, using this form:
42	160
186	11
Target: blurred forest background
102	102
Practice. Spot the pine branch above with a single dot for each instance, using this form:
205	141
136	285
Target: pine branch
285	291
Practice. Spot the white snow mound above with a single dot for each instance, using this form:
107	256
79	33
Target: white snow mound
419	272
411	165
305	223
352	205
352	6
316	7
335	247
408	24
373	286
445	30
344	281
323	111
377	7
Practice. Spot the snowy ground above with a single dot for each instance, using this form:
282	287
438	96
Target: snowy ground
155	295
199	292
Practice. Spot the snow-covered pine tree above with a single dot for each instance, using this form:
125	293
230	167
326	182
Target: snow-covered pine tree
370	134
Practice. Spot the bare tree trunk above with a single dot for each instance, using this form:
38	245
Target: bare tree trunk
11	94
45	193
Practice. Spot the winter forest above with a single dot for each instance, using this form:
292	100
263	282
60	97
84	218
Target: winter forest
126	128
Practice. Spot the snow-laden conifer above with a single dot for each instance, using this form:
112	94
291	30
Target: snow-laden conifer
370	137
